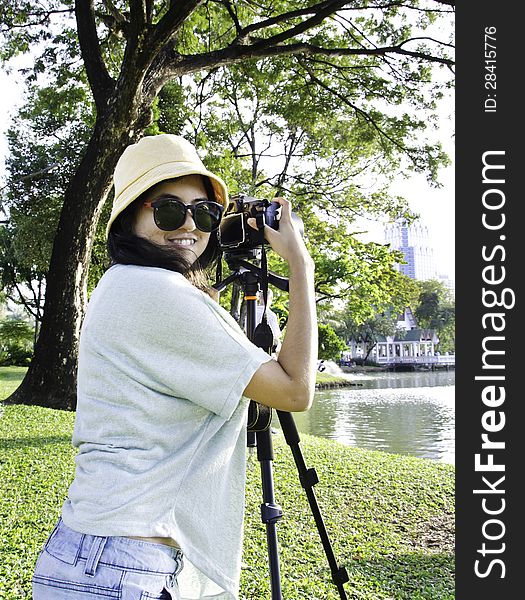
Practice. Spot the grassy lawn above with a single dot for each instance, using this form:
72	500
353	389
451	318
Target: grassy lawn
322	377
10	378
390	518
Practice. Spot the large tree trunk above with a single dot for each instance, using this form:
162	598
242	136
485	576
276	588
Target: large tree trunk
51	378
123	112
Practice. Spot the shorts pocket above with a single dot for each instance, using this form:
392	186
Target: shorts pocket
64	544
55	579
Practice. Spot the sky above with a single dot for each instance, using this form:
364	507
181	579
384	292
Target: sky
435	206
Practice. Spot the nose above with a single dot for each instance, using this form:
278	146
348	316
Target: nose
189	223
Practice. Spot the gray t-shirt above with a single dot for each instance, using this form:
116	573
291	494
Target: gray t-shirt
161	421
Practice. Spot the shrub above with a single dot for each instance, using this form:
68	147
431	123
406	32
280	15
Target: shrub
330	344
16	342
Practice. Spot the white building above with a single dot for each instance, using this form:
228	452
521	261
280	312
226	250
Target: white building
410	345
413	241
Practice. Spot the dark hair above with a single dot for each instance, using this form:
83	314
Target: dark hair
127	248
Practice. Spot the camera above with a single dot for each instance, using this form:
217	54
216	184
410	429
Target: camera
234	231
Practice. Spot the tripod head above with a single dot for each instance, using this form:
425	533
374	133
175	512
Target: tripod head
240	266
253	277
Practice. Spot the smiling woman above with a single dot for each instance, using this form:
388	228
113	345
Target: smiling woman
164	378
173	226
161	216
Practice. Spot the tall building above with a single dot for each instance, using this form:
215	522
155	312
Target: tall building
413	241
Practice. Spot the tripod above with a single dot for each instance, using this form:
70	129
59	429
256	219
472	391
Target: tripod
249	277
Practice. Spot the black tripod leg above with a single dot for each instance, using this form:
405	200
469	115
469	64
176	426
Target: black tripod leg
270	511
308	478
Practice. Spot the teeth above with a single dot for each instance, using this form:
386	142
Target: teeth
183	242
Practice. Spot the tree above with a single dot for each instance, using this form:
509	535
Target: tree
22	282
330	345
432	304
367	332
264	127
16	337
436	310
129	51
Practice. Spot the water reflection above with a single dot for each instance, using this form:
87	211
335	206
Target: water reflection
403	413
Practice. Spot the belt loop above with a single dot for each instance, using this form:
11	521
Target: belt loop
95	552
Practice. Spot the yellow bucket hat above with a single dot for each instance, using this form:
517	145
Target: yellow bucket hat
153	159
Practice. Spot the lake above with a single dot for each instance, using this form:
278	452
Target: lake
409	413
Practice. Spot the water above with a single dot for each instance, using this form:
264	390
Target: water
409	413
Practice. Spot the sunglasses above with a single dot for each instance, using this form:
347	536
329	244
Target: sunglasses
170	214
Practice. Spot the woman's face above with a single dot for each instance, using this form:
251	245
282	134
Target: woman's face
192	241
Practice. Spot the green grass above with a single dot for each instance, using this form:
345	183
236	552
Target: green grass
389	517
10	378
322	377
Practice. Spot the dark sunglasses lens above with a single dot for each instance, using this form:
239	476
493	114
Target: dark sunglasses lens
170	215
207	216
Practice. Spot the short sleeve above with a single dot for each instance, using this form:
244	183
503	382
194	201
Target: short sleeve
172	338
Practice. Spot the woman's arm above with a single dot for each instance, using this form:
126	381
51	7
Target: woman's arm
288	383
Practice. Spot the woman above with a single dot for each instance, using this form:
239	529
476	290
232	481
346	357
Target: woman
164	377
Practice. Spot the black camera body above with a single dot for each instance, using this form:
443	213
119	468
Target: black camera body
234	231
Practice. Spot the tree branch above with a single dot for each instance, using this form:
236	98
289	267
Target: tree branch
169	63
175	64
158	45
233	16
115	12
174	17
320	12
42	16
101	82
137	10
150	5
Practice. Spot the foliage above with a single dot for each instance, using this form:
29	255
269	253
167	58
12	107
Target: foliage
390	518
46	142
273	126
431	303
241	115
3	304
330	345
369	332
386	293
436	310
16	342
272	130
21	280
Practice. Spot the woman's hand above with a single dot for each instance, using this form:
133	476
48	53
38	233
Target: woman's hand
287	241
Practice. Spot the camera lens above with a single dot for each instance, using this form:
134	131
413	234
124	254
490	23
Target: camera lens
271	217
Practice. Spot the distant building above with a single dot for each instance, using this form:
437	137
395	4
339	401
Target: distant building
413	241
408	341
410	345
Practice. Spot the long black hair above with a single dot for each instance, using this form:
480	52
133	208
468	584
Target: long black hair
127	248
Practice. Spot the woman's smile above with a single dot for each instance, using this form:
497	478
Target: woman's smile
182	241
192	241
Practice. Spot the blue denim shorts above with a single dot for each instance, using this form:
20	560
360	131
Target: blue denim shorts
78	566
